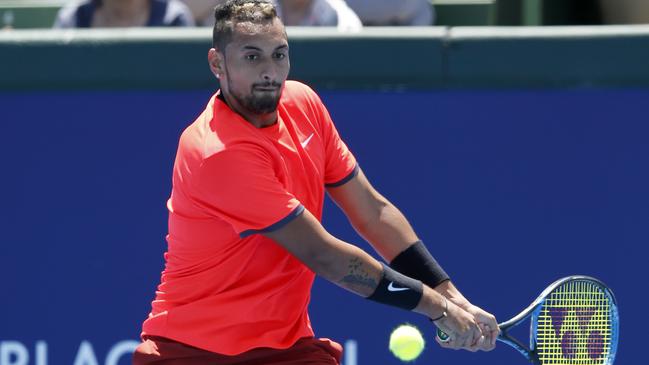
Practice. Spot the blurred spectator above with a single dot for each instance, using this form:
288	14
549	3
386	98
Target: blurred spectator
124	13
332	13
203	10
625	11
7	20
393	12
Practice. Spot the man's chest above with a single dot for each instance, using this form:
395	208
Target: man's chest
299	163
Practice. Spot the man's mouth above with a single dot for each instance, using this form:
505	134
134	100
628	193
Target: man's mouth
266	87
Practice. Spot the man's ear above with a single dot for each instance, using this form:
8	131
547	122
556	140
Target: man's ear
215	60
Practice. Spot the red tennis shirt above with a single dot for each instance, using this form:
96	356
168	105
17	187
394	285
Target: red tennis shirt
225	288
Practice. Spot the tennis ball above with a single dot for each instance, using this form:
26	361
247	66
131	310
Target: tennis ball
406	342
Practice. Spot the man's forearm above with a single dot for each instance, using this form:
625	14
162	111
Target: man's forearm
390	233
387	230
354	270
449	290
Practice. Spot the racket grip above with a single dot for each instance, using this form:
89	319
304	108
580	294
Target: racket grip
442	336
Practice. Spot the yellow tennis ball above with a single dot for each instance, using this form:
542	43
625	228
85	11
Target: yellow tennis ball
406	342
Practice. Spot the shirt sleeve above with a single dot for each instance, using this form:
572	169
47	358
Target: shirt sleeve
340	163
240	186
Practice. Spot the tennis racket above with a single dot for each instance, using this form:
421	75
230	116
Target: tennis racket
573	322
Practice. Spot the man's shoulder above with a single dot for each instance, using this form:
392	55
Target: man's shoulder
298	92
219	131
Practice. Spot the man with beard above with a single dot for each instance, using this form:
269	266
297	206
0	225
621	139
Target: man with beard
245	240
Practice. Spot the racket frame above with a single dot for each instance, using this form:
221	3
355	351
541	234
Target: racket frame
534	311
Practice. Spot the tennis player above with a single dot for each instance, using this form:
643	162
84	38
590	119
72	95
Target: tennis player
245	240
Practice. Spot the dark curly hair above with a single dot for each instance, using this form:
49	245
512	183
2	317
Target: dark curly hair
231	12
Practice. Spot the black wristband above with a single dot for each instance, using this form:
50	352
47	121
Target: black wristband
417	262
397	290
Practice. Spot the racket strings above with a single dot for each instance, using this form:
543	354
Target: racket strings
574	326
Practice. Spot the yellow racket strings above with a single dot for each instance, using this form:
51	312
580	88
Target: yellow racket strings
574	325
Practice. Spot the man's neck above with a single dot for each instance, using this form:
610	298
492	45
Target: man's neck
257	120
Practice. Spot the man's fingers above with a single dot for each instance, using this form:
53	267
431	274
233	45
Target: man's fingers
490	337
449	344
493	336
489	327
495	333
488	345
463	341
477	338
470	338
468	342
477	345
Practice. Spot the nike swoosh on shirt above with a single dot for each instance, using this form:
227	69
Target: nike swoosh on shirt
391	287
306	141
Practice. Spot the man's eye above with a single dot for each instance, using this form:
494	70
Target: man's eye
280	56
252	57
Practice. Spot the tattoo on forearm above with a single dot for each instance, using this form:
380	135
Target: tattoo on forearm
357	275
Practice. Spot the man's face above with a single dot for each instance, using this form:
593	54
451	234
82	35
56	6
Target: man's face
255	65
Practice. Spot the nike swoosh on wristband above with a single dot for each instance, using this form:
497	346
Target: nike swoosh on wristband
306	141
391	287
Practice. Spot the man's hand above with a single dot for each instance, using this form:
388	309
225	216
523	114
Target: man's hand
485	320
488	325
462	328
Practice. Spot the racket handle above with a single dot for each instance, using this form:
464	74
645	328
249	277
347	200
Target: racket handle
442	336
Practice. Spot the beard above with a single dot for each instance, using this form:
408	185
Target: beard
258	101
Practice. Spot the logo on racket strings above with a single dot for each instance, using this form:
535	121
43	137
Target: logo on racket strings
577	334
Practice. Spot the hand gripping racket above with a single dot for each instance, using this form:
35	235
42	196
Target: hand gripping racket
573	322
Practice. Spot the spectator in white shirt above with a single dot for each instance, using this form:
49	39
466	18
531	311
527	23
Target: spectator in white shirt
394	12
332	13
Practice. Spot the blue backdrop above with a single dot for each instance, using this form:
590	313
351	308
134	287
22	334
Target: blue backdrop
510	190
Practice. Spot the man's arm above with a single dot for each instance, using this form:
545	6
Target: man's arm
380	223
353	269
377	220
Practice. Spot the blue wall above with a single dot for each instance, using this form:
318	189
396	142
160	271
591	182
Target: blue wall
510	190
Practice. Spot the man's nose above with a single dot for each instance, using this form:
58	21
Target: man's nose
269	73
